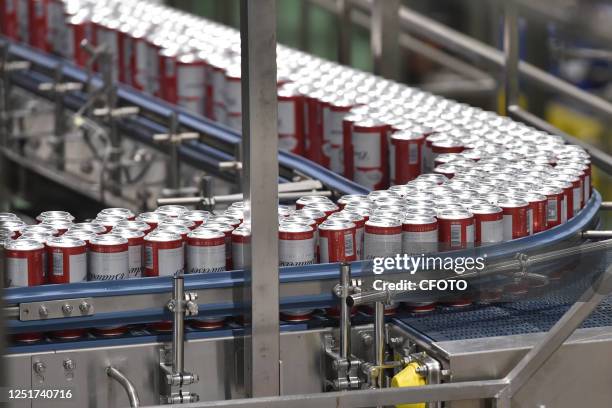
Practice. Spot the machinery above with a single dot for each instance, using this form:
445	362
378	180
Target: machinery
532	345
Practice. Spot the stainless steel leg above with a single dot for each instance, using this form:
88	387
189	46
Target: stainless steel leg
345	312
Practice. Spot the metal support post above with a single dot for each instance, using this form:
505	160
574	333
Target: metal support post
379	343
511	56
260	172
384	38
345	312
344	31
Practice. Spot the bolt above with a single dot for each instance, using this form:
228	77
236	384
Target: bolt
39	367
396	340
43	311
69	365
67	309
421	370
84	307
367	339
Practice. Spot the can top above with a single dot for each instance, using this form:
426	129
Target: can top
128	233
178	221
348	198
324	206
23	244
82	234
243	230
294	227
151	217
58	223
382	221
226	220
5	216
308	199
454	214
512	202
206	233
65	241
39	228
351	216
235	204
336	225
197	215
172	210
284	210
54	214
121	212
220	226
133	225
88	226
36	236
162	236
299	219
108	240
419	219
436	178
407	134
173	227
310	212
377	194
480	208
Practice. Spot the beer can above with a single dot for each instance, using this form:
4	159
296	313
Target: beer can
163	253
9	20
64	215
382	238
14	226
455	229
199	217
7	216
39	34
313	119
153	219
60	225
337	241
350	198
24	263
284	210
574	203
347	142
296	244
556	205
419	234
488	223
119	212
234	222
93	227
309	199
109	221
171	210
23	21
205	251
241	247
140	58
405	156
370	154
82	234
67	257
236	214
438	179
108	258
515	218
135	239
217	66
359	221
290	119
134	225
227	229
328	208
317	215
44	229
334	111
536	215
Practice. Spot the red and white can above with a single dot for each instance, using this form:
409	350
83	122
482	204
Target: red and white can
313	119
350	198
171	210
536	216
163	253
405	156
310	199
153	219
334	111
382	238
205	251
67	257
82	234
14	226
290	119
119	212
9	20
488	223
419	234
109	221
359	221
135	239
370	156
241	247
347	142
575	199
108	258
317	215
455	229
555	207
44	229
328	208
63	215
199	217
217	66
60	225
515	219
295	244
134	225
78	30
337	241
227	229
39	34
234	222
24	263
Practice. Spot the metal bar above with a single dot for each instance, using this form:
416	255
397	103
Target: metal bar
117	375
598	157
379	342
344	31
260	171
345	312
531	363
384	38
178	325
606	206
366	398
597	235
511	55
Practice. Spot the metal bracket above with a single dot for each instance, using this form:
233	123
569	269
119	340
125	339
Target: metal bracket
56	309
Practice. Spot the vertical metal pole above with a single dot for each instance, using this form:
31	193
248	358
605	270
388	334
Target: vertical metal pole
384	37
379	341
511	55
260	172
60	120
178	326
174	164
345	312
344	31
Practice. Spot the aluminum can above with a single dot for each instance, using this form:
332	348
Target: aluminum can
347	142
359	221
227	229
313	115
241	247
419	234
337	241
334	111
488	223
296	244
135	239
555	205
455	229
370	154
23	21
317	215
405	156
7	216
67	257
328	208
108	258
39	35
109	221
575	199
382	238
290	120
163	253
183	222
199	217
234	222
350	198
119	212
173	211
14	226
24	263
310	199
82	234
93	227
515	218
9	20
438	179
61	226
44	229
63	215
153	219
134	225
217	66
537	214
205	251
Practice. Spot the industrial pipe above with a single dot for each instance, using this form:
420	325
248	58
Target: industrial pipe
597	235
117	375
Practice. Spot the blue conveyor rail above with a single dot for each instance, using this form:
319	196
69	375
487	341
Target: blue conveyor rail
219	142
